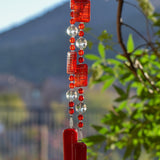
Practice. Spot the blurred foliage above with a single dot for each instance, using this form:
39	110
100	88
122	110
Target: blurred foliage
132	125
12	103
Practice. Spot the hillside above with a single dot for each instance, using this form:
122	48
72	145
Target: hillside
37	50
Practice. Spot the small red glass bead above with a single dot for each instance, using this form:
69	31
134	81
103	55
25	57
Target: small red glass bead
71	85
81	59
71	111
80	90
81	98
71	104
80	117
72	21
72	47
81	52
81	33
81	26
72	40
71	78
71	14
80	124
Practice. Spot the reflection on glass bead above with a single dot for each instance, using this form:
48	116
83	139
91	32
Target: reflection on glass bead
71	95
81	43
72	31
81	108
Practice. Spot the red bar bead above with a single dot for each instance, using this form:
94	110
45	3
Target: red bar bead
71	78
71	62
70	138
81	10
72	21
71	111
80	117
80	91
71	104
72	40
80	124
80	151
81	26
81	98
72	47
81	59
71	85
81	52
81	75
81	33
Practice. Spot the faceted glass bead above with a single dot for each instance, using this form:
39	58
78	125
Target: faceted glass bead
71	95
80	90
72	40
81	10
80	124
81	108
81	75
72	47
80	117
81	33
81	59
71	104
71	111
72	30
72	21
81	52
71	14
81	98
71	85
71	62
81	43
81	26
71	78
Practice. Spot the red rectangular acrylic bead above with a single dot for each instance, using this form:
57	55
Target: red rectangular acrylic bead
80	151
71	62
81	10
70	137
81	75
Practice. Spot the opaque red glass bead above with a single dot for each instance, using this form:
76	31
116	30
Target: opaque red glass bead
81	75
81	59
81	26
81	10
72	21
70	138
81	52
81	33
71	78
71	85
71	104
80	117
71	62
80	124
80	90
80	151
81	98
72	47
72	40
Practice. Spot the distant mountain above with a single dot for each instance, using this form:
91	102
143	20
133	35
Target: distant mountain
37	50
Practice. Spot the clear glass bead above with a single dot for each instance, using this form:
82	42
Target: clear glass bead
72	30
81	108
81	43
71	95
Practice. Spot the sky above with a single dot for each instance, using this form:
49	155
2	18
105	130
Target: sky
15	12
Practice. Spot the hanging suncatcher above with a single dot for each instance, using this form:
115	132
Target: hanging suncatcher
73	148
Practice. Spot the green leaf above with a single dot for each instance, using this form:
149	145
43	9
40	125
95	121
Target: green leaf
108	83
120	91
130	44
100	129
101	49
90	44
121	57
91	57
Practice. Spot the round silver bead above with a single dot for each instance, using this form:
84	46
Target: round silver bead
81	108
71	95
81	43
72	30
